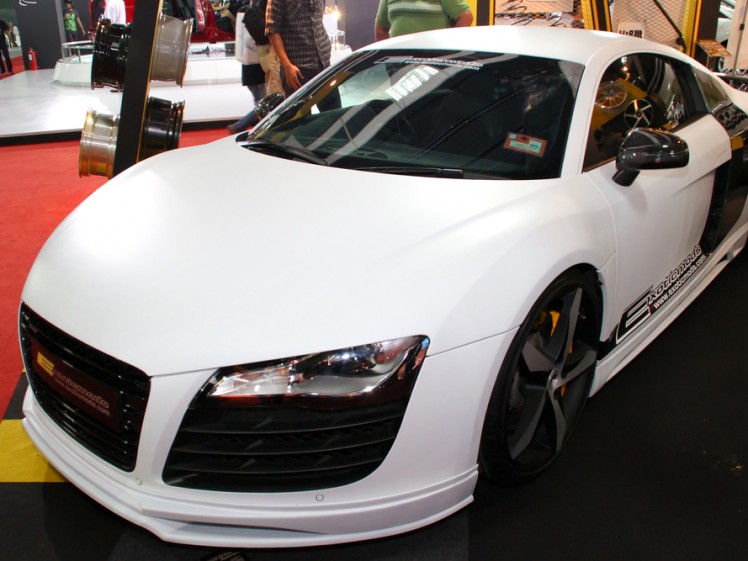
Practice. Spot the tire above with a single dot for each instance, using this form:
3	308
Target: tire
543	383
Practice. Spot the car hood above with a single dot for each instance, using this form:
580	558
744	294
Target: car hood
215	255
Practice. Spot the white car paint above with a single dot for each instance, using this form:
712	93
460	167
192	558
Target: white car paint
205	265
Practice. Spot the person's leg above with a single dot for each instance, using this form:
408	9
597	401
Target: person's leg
309	73
4	53
286	88
306	75
251	118
258	91
271	66
332	101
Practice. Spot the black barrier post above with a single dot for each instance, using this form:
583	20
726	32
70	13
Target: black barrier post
484	12
137	81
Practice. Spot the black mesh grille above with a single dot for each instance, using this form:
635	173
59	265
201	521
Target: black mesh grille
259	449
116	441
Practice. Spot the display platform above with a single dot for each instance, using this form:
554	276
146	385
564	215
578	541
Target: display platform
34	104
40	103
206	64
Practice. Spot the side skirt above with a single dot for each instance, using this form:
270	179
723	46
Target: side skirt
615	356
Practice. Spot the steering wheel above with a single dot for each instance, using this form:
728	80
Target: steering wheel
639	113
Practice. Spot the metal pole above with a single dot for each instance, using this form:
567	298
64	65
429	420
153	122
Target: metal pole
137	82
740	37
680	40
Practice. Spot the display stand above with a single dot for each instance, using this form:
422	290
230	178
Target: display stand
714	53
735	42
208	64
137	80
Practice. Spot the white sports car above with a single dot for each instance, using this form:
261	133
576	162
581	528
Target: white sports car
414	271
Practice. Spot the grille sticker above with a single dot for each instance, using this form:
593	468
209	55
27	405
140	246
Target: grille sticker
98	400
47	365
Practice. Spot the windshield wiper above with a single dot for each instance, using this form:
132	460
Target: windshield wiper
454	173
294	151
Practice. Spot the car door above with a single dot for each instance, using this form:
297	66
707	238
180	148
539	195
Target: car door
660	218
731	181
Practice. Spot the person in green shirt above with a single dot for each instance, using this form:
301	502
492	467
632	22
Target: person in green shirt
72	23
400	17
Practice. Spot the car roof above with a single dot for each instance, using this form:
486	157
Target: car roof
575	45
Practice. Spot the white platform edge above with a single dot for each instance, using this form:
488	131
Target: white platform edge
34	104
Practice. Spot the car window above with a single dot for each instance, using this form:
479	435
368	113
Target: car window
712	90
429	112
641	90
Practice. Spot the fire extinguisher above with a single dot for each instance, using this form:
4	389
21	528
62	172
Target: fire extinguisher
33	65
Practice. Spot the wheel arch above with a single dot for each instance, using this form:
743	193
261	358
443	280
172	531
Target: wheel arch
589	276
596	277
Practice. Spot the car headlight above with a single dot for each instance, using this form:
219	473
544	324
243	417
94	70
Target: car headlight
381	371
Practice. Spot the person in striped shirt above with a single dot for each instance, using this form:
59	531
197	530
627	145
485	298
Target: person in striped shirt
400	17
296	32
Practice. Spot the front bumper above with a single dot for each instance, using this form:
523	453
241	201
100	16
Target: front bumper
429	473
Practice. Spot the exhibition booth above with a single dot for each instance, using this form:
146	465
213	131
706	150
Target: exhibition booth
62	69
368	325
55	96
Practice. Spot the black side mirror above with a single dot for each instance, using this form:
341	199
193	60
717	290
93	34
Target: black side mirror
268	103
648	149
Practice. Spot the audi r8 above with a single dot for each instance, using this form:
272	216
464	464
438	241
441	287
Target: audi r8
412	273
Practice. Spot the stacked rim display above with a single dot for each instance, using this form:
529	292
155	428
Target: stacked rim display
170	50
111	46
98	143
162	127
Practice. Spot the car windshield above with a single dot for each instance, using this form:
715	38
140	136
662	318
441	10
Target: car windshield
433	113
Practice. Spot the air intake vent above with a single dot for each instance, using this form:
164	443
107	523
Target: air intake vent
266	449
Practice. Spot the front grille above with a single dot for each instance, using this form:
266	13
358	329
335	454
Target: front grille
266	449
83	367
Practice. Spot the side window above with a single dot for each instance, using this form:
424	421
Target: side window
640	90
714	95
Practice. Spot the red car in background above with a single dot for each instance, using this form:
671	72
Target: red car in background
205	27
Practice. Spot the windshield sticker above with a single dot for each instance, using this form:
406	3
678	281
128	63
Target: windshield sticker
446	62
526	144
412	80
656	296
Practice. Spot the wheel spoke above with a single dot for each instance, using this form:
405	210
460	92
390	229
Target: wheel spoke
544	362
588	359
563	334
536	360
639	110
560	418
647	112
528	422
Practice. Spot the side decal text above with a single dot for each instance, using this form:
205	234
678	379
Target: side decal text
656	296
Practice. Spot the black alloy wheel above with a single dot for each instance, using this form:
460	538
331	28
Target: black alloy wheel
639	113
544	381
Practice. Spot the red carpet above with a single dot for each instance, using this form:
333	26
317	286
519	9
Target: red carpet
39	187
17	66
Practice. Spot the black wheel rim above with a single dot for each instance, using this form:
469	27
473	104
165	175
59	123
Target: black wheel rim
551	378
162	126
111	48
639	113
